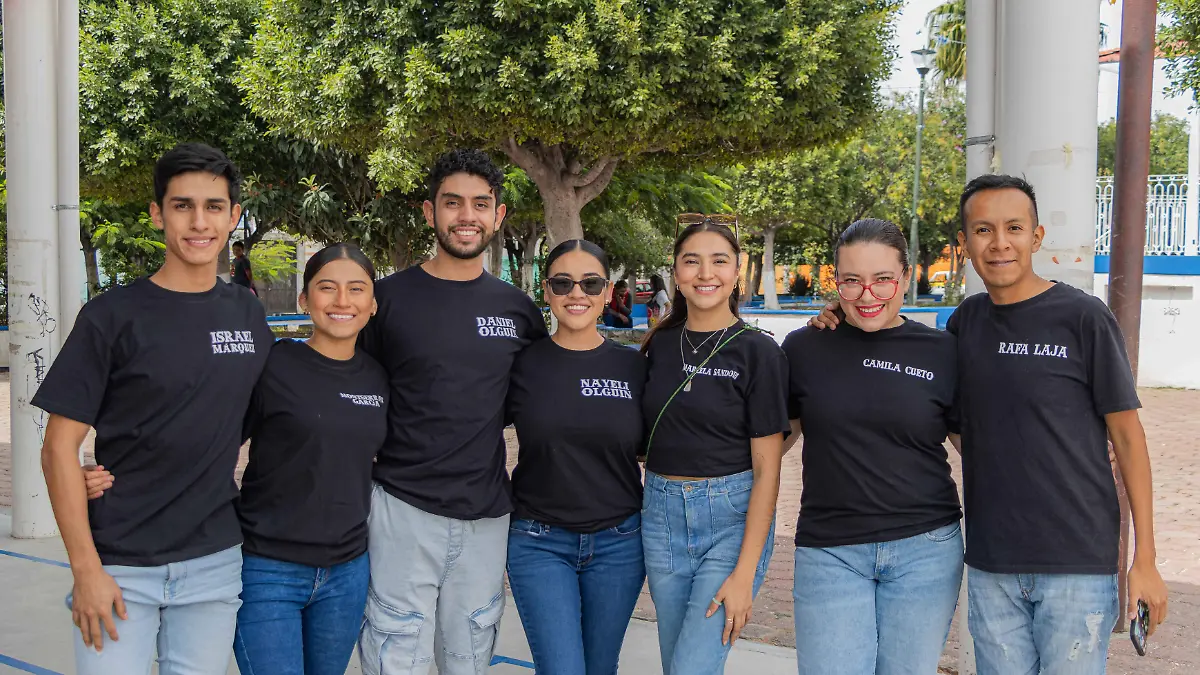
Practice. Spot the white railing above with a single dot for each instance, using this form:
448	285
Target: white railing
1166	221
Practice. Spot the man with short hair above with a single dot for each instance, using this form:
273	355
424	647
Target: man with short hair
1044	382
447	333
163	370
242	274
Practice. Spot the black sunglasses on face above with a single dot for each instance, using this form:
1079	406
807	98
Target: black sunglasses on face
590	285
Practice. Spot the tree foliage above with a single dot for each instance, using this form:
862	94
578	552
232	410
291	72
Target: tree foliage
947	26
566	88
1169	137
1179	40
810	197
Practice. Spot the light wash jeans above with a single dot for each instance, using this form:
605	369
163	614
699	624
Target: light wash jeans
692	537
882	608
187	610
1041	624
437	590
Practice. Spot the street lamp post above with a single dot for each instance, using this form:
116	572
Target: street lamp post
923	58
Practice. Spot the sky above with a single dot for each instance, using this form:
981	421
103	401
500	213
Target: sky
910	34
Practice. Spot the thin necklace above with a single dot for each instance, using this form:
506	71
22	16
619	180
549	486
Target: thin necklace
688	385
696	348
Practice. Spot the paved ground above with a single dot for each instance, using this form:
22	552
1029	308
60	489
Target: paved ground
1173	430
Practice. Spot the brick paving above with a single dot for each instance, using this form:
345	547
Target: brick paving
1173	432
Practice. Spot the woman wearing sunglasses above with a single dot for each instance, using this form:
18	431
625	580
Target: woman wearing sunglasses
715	412
879	553
317	418
575	549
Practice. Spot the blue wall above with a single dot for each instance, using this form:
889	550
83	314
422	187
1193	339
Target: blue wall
1187	265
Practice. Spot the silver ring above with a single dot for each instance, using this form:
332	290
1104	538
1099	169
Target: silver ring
729	621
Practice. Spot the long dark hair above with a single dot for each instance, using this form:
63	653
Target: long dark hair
678	314
874	231
577	245
336	252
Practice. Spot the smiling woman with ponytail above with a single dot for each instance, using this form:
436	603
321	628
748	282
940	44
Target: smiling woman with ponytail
715	411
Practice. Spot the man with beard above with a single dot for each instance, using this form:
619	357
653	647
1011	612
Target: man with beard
447	333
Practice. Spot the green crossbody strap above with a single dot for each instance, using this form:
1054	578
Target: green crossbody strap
678	389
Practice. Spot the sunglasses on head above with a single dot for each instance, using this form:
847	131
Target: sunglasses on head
686	220
590	285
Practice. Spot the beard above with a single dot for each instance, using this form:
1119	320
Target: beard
445	241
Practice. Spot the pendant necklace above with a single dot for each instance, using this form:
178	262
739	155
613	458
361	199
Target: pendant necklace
682	336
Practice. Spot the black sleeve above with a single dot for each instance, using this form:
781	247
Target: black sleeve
766	393
537	323
254	414
795	390
1110	375
952	322
370	337
75	385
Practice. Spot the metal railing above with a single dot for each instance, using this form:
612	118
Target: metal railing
1166	221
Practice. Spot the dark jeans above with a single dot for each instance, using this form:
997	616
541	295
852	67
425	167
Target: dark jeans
299	620
575	593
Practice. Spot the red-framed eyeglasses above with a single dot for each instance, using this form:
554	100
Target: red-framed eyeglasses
885	289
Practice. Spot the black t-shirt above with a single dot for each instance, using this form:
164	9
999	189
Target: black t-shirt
875	409
241	271
448	349
578	418
165	379
315	425
741	393
1036	379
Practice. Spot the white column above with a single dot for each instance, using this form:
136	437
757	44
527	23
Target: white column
981	130
33	299
1046	98
1191	238
72	278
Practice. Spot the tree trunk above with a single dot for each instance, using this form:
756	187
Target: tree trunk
566	180
496	254
770	293
90	264
755	274
514	260
528	260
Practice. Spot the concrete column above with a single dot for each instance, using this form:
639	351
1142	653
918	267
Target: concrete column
72	277
33	298
1191	238
1046	99
981	127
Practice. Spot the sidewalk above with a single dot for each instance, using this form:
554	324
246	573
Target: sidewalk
35	626
1172	421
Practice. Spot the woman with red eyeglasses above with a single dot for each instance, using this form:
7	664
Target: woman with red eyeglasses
879	551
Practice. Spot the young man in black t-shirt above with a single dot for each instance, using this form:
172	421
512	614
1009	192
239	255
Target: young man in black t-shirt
242	274
447	334
1044	381
163	370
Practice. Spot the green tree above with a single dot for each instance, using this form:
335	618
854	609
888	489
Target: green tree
1169	137
567	89
1179	40
947	26
813	195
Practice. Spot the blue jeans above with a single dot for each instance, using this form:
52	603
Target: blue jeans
692	537
299	620
575	593
882	608
1047	624
185	610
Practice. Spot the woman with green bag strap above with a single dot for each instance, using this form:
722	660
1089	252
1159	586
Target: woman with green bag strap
715	404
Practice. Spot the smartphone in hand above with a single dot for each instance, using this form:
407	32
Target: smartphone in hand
1139	627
